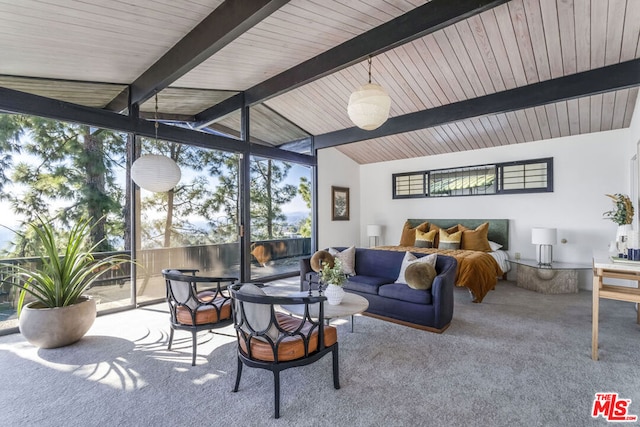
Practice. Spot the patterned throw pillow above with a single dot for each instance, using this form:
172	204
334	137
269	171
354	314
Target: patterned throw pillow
449	241
425	240
347	258
409	259
449	230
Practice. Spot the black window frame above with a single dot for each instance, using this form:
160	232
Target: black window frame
499	190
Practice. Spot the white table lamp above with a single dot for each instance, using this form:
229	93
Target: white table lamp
544	238
374	231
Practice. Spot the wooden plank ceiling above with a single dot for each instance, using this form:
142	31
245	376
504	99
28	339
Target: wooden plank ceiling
88	51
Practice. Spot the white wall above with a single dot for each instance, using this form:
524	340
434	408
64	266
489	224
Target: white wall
586	167
336	169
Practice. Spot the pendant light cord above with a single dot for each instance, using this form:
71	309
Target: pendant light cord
155	116
369	70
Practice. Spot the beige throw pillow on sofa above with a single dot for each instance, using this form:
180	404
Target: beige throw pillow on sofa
347	258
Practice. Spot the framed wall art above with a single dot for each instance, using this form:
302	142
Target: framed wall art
339	203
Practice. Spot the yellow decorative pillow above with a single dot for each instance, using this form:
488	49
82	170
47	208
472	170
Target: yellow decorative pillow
449	241
425	240
476	240
408	237
433	227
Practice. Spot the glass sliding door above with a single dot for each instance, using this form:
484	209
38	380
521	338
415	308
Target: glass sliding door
61	172
195	225
280	217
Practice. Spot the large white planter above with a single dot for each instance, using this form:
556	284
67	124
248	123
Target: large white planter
334	294
59	326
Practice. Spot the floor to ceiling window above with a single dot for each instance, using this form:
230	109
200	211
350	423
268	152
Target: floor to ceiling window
61	172
65	171
280	216
194	225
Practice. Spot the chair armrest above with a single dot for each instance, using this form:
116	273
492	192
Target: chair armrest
187	270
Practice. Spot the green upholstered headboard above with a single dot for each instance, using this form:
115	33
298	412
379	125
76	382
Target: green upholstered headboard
498	228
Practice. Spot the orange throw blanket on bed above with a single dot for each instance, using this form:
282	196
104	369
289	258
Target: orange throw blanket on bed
477	271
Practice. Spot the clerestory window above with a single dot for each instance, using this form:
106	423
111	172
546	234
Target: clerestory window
523	176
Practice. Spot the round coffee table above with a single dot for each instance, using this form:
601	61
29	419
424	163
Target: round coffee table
351	305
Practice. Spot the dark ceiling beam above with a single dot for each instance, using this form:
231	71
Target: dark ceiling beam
279	154
25	103
423	20
605	79
167	117
228	21
219	111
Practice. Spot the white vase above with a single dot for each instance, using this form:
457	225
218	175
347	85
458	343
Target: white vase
622	236
334	294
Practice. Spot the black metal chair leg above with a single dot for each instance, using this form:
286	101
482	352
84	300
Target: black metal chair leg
238	375
170	338
276	389
336	370
194	335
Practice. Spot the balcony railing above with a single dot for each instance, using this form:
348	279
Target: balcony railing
214	259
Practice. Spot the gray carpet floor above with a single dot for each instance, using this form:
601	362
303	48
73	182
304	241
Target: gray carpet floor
518	359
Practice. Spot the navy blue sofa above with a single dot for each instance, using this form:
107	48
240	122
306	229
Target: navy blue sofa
376	272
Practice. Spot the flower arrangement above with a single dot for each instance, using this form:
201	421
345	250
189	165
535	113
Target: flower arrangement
623	212
333	274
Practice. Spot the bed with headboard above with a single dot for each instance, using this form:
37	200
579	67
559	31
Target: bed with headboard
480	250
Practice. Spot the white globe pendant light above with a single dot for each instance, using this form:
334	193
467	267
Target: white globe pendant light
369	105
154	172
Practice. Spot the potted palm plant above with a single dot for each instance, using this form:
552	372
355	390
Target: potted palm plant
334	277
60	314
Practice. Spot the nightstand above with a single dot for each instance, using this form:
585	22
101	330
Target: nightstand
558	278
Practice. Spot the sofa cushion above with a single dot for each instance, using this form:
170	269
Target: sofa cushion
378	263
365	284
402	292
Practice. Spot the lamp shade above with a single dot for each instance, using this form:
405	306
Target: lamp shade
369	106
543	236
155	173
374	230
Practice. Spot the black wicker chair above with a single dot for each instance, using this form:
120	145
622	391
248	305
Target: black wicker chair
272	340
194	309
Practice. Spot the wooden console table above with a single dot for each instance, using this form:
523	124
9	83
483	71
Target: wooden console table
604	267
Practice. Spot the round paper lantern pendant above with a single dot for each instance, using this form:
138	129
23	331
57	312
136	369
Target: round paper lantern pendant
155	173
369	106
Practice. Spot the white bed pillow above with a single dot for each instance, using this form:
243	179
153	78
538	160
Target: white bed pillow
494	246
409	259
